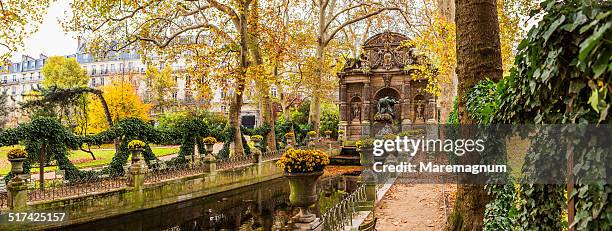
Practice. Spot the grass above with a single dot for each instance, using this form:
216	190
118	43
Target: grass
81	159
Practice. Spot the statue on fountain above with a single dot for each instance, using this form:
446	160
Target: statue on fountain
385	109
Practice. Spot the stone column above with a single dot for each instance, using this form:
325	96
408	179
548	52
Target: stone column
17	194
406	122
431	108
365	111
344	109
367	177
210	162
136	175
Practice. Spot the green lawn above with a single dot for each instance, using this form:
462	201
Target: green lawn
82	159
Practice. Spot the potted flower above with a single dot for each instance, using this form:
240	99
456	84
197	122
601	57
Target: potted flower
136	147
209	142
303	168
327	134
340	134
17	156
311	134
257	139
289	136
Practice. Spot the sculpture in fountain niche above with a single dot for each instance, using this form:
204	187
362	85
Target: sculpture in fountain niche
356	112
385	109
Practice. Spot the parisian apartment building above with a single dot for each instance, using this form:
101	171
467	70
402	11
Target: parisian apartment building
24	76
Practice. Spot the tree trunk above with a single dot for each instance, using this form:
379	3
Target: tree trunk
478	57
236	104
267	112
109	120
41	164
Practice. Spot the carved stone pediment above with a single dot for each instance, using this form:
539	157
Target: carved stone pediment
384	51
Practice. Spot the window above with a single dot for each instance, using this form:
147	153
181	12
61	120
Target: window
130	66
121	67
112	68
93	70
4	79
39	76
93	82
101	81
14	78
13	90
273	92
174	95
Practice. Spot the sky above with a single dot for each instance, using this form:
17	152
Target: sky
50	39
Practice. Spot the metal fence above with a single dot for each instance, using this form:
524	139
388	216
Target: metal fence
340	216
164	171
272	155
234	161
4	200
58	187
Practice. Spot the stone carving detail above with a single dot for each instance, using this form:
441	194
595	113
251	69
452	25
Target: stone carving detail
387	79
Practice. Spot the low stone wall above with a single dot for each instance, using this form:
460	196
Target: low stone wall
130	199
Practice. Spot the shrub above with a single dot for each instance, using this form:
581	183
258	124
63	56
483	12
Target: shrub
16	153
136	144
303	161
312	133
365	143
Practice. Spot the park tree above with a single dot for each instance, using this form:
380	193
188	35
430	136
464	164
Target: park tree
63	73
160	83
478	58
176	29
19	20
123	102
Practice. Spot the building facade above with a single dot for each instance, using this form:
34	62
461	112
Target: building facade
20	78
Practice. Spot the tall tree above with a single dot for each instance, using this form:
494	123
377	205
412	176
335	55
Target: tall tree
331	17
177	30
478	57
122	102
63	73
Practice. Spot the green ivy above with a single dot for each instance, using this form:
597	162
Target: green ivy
562	75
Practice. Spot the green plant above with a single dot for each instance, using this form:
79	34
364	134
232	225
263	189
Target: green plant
16	153
136	144
312	133
389	136
289	135
303	161
365	143
327	132
340	131
209	140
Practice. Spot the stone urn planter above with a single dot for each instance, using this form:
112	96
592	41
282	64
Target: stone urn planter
136	152
209	143
136	147
303	188
17	165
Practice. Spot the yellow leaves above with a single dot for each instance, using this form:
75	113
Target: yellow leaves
123	102
64	73
437	43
